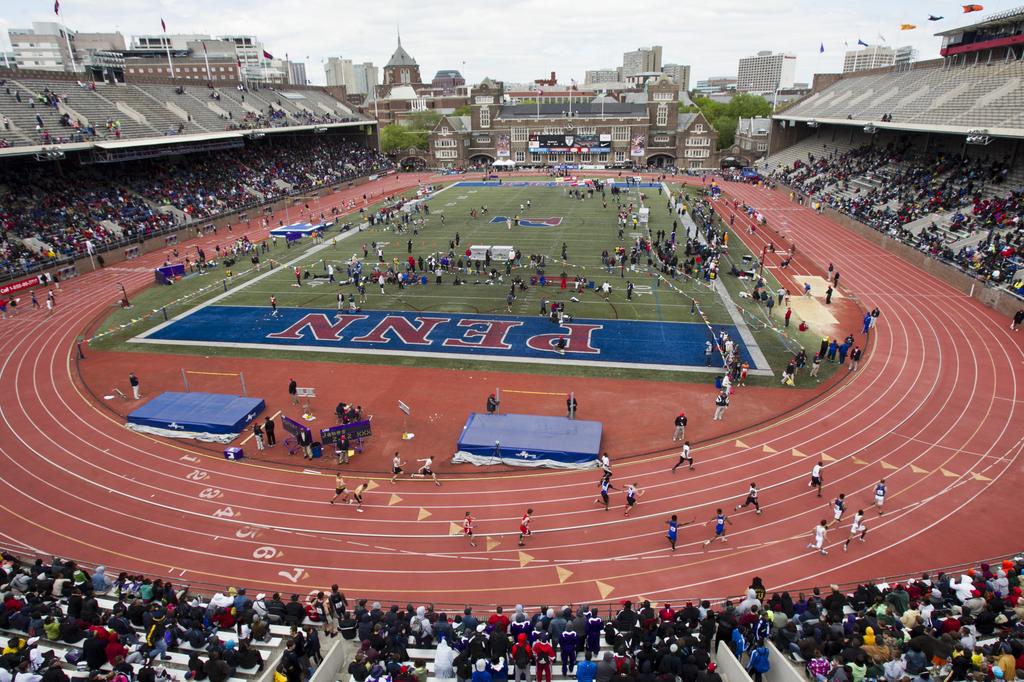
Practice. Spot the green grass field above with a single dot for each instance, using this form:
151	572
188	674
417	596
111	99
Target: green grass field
587	228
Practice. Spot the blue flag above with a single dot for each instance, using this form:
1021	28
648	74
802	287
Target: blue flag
861	42
821	48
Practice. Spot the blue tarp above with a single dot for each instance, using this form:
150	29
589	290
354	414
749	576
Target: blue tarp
215	414
529	440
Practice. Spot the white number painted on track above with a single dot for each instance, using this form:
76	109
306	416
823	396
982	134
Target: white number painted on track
210	493
196	475
225	512
264	552
188	458
245	532
292	575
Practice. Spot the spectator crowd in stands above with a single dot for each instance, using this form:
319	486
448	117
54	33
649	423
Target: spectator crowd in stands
905	185
951	627
47	217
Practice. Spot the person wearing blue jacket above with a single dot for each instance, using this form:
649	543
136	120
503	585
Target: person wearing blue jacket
586	670
758	664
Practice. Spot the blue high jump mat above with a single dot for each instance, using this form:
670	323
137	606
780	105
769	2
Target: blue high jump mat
213	417
529	440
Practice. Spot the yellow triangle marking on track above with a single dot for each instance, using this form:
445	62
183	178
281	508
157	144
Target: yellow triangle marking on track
563	574
949	474
454	528
858	460
825	457
372	485
886	465
423	514
769	449
395	499
524	559
980	477
797	453
918	470
741	444
492	543
604	589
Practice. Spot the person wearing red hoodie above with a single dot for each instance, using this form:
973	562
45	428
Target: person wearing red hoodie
522	657
498	619
543	653
115	649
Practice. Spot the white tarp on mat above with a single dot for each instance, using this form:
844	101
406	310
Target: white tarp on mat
520	460
195	435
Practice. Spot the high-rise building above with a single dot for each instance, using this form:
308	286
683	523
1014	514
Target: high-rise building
766	72
873	57
45	46
367	78
715	84
641	60
296	72
905	55
601	76
339	72
680	73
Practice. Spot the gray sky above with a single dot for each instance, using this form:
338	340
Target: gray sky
526	39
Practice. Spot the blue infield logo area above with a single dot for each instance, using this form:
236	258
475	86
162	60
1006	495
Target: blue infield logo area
529	222
613	343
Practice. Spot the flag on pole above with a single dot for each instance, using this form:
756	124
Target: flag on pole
882	38
821	48
267	55
972	8
56	7
239	61
907	27
204	48
932	17
163	25
861	42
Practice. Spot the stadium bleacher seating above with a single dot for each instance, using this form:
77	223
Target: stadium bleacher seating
141	110
964	208
973	96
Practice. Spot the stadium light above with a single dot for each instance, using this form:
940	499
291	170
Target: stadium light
257	135
870	129
812	124
51	154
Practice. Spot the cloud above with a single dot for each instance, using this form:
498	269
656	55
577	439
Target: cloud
523	40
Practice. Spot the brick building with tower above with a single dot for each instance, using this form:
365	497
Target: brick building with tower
645	129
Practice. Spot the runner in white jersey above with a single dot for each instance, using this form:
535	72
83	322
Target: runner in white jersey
857	527
880	496
820	533
816	477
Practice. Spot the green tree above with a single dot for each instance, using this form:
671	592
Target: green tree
724	116
394	137
464	110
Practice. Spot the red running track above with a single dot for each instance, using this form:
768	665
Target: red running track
934	409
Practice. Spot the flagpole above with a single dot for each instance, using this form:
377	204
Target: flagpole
167	46
206	58
67	37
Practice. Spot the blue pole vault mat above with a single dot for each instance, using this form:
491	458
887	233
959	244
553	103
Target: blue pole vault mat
217	417
529	440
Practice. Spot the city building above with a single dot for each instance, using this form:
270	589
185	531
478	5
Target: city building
296	72
766	72
752	137
367	78
402	69
715	84
447	81
644	59
873	57
45	46
905	55
680	73
158	43
646	130
602	76
339	71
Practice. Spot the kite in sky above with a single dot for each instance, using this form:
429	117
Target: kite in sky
972	8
